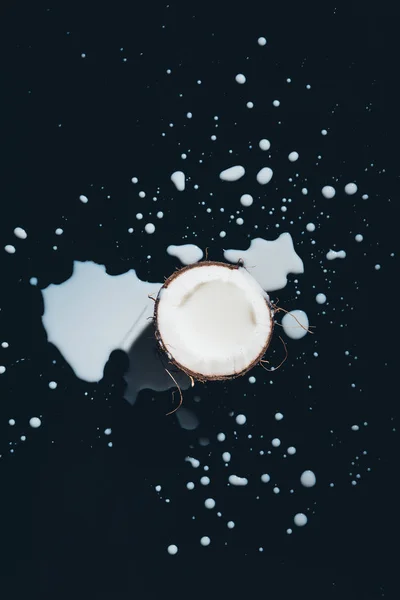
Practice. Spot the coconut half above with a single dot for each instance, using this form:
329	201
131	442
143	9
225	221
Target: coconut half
213	320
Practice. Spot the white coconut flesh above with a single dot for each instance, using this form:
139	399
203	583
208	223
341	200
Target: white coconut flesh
213	320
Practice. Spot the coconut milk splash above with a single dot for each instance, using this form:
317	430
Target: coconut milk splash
93	313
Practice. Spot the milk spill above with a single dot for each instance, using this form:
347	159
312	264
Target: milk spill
264	175
187	253
232	173
178	179
269	262
92	313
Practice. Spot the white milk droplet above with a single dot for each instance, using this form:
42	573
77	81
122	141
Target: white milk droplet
265	478
310	227
269	262
59	231
2	369
276	103
204	480
241	419
108	431
252	379
221	437
240	78
52	385
20	233
232	174
300	519
350	188
328	191
359	237
178	178
209	503
308	479
293	329
278	416
264	175
150	228
226	456
264	144
33	281
239	481
187	253
205	541
293	156
246	200
9	248
172	549
291	450
355	427
250	105
11	422
324	131
190	485
35	422
320	298
230	524
261	41
193	461
276	442
83	198
332	254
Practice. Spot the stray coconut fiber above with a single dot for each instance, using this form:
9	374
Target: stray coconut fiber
213	320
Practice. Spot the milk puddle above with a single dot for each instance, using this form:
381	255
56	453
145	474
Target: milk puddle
93	313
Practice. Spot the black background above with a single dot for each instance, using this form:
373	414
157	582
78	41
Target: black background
80	517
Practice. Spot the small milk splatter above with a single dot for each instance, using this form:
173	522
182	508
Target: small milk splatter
295	324
332	254
300	519
328	191
350	188
308	478
264	144
232	174
264	175
178	179
187	253
239	481
246	200
20	233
